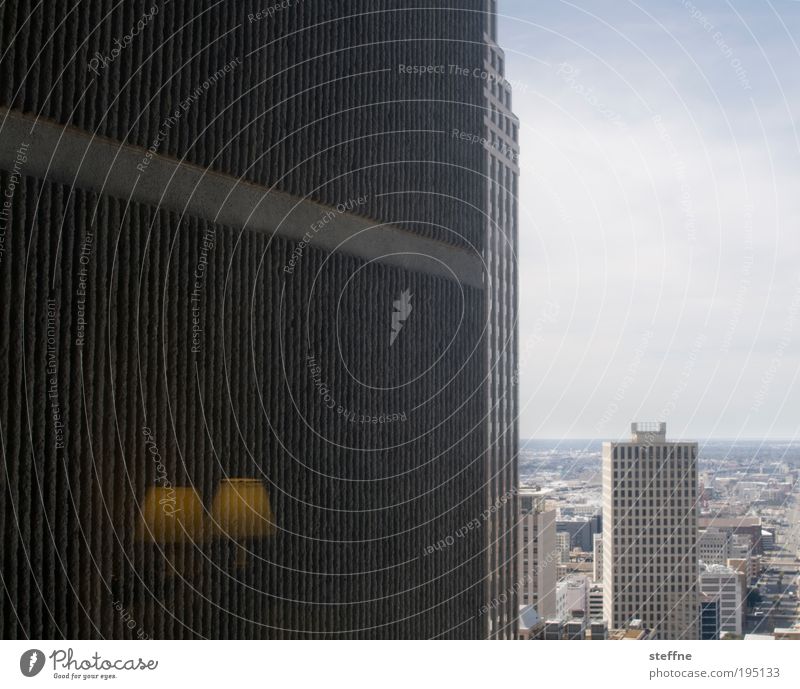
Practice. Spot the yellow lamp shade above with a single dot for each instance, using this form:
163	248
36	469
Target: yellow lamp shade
241	509
171	515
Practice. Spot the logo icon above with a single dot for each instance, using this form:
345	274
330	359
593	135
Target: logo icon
402	310
31	662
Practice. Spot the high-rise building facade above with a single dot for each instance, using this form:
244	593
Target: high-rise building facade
256	378
650	533
500	137
539	556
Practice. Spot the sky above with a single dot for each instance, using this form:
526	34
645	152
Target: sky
659	215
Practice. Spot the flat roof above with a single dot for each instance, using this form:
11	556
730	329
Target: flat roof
731	522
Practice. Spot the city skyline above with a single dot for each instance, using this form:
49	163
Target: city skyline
741	501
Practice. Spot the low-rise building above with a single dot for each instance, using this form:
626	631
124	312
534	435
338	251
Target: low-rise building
553	630
572	597
596	602
634	631
725	584
767	539
748	525
787	633
597	557
531	625
598	630
575	629
709	617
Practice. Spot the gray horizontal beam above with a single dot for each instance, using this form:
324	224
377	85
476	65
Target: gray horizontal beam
73	157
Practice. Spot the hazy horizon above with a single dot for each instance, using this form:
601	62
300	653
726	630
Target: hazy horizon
795	441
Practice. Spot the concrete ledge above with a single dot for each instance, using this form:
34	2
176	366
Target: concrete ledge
74	157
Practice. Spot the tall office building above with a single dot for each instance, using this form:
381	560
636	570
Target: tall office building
650	533
500	133
539	555
256	379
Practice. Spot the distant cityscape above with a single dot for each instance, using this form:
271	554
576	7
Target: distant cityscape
705	543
